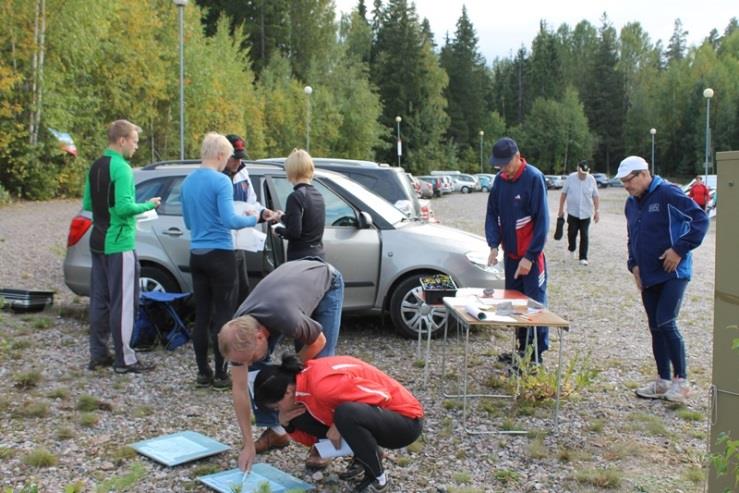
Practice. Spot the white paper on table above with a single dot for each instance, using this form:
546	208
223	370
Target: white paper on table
326	449
475	311
149	215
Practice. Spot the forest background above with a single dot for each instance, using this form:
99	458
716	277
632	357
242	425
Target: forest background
578	92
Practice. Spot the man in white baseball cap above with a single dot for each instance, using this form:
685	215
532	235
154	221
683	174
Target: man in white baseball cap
664	225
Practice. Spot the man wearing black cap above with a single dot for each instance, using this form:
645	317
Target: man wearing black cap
243	192
518	220
580	191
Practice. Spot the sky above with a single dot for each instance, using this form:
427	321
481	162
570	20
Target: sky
502	27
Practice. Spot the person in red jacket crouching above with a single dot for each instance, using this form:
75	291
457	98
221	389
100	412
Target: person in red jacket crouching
340	397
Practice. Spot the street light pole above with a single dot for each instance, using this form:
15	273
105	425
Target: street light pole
652	131
398	119
482	134
308	91
708	94
181	13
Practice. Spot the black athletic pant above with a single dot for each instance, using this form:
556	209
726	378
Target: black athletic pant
213	281
574	226
242	277
364	428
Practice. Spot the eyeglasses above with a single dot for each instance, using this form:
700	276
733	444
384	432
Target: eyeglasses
627	179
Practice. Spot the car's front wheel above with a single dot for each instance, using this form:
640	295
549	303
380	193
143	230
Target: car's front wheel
465	190
410	313
153	278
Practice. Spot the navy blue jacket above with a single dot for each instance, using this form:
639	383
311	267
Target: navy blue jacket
517	215
663	217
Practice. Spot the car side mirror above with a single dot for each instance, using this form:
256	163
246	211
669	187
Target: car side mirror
365	220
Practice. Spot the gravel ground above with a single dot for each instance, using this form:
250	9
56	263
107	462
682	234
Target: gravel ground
607	437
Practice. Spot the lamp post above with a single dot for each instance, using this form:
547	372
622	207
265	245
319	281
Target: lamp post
482	134
308	91
653	131
708	94
181	13
400	147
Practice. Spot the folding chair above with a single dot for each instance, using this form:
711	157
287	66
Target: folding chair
158	321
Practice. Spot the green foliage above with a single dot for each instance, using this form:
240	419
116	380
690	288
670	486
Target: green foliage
125	481
89	420
27	379
40	457
606	478
76	487
729	457
89	403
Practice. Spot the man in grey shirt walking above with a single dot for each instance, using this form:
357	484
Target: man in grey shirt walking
580	191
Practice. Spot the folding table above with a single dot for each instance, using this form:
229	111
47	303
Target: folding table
456	309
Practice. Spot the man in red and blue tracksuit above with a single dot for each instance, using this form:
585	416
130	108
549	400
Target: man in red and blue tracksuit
518	220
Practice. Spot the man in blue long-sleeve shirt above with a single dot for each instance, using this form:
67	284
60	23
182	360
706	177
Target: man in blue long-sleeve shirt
518	220
664	225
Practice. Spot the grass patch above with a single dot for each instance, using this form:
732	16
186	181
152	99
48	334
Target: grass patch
27	379
6	453
32	409
490	407
596	425
76	487
40	457
566	454
416	447
123	454
403	461
20	345
689	415
447	427
204	470
468	489
694	474
89	403
419	363
64	433
58	393
142	411
124	481
620	450
509	424
608	478
42	323
648	423
537	449
506	476
450	404
462	477
89	420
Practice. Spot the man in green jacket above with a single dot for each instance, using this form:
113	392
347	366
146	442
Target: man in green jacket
110	194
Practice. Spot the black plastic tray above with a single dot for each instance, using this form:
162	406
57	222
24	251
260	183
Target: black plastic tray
22	300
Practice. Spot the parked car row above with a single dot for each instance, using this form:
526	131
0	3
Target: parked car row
365	237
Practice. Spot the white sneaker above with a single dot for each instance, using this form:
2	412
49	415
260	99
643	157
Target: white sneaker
679	391
656	389
583	261
573	254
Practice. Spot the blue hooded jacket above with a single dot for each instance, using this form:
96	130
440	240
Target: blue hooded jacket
663	217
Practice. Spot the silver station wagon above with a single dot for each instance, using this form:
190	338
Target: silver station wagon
380	251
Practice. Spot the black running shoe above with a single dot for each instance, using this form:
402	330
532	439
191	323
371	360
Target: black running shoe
137	367
104	362
352	471
370	484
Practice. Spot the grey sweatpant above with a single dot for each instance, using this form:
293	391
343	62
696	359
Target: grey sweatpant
114	305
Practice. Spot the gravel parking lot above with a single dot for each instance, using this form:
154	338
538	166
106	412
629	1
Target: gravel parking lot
607	437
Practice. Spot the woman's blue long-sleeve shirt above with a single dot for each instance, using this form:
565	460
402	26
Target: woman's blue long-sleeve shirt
663	217
208	210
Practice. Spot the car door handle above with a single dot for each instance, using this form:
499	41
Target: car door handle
173	232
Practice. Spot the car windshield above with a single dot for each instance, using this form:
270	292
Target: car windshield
375	202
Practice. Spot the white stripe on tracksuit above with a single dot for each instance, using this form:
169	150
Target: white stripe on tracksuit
128	305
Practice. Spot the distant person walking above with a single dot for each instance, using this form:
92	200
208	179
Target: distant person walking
110	194
664	226
700	193
518	220
304	218
208	210
580	192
